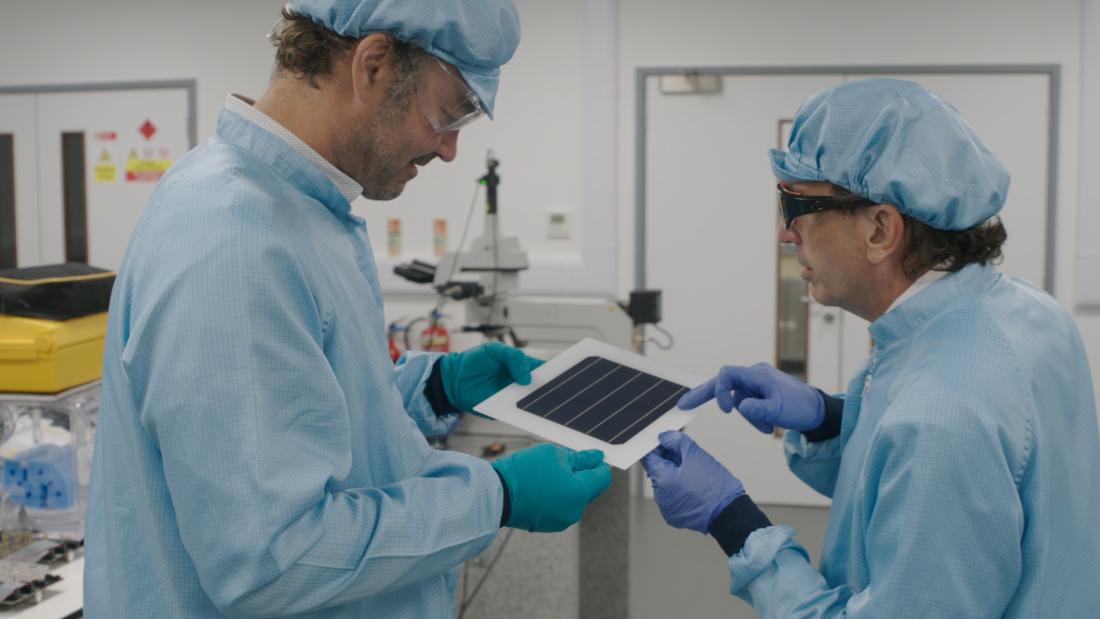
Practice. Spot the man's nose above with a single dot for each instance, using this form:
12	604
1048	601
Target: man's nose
448	146
788	235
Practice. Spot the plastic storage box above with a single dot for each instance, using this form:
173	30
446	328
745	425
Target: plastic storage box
49	356
46	444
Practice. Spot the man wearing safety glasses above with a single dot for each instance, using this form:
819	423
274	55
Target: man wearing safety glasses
258	454
963	460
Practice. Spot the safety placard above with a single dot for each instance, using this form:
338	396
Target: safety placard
105	170
145	169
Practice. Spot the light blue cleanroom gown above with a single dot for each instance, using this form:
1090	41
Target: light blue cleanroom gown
257	452
965	481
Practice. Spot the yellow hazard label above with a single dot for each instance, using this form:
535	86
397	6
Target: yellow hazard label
106	173
146	170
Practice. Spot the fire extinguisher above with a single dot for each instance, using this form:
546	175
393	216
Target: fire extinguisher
391	340
435	337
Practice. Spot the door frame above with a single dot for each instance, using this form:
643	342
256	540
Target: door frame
1054	96
189	85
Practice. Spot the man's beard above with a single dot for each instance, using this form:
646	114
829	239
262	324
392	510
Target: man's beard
373	148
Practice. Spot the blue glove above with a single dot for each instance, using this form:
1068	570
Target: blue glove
471	376
766	397
549	486
690	486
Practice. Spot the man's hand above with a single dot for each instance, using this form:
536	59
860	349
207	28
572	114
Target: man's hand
690	486
549	486
763	395
472	376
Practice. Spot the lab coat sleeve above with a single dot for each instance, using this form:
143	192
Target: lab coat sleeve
816	464
941	522
411	373
228	368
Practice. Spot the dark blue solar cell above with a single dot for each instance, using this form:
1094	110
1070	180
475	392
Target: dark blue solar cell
603	399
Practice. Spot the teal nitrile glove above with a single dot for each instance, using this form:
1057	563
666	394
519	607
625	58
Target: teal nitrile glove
471	376
549	486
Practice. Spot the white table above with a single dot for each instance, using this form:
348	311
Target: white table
60	599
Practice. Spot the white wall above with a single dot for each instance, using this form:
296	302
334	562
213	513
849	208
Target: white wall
1088	264
868	32
221	44
543	131
543	97
538	134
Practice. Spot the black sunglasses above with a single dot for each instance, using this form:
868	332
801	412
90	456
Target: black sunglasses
794	205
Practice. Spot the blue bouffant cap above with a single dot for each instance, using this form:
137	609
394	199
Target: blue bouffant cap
894	142
477	36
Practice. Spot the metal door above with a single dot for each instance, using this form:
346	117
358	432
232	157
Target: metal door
86	161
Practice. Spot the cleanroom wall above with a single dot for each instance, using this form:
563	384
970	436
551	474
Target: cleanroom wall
715	33
222	46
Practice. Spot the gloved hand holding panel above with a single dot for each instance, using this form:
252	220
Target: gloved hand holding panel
597	396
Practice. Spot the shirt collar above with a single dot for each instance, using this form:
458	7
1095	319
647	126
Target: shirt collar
916	287
945	293
245	108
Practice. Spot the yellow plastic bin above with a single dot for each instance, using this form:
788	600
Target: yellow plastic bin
48	356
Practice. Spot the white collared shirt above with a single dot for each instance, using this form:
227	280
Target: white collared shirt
245	108
916	287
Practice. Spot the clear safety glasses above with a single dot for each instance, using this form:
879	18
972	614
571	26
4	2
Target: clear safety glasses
437	101
793	205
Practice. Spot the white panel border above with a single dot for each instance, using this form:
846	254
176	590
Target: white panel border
503	406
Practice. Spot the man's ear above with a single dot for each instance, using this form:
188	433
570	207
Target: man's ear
884	232
371	66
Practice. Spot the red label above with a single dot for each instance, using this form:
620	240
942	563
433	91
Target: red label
106	136
147	129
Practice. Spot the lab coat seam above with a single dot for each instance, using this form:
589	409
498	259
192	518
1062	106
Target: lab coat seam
1026	416
496	506
342	215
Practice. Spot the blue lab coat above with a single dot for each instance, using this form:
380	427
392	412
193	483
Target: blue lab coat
966	477
257	453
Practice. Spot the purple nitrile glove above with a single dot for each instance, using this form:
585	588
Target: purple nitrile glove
763	395
690	486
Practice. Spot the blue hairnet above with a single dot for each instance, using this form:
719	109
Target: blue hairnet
477	36
896	143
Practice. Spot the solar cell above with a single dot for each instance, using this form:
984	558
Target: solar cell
603	399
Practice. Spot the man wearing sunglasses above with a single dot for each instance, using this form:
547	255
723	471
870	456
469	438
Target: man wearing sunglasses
257	453
963	460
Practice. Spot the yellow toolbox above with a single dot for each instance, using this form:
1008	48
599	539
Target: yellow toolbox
48	356
53	319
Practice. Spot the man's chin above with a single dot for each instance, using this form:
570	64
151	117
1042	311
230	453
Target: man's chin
383	194
819	295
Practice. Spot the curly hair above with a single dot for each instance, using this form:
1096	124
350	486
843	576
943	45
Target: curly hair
928	248
951	250
306	50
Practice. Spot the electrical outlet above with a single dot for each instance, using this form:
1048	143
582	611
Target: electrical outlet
557	225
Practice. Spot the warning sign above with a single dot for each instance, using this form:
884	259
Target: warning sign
105	171
145	169
147	129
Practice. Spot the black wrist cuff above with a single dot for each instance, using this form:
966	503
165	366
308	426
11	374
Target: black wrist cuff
507	511
733	525
434	392
830	425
